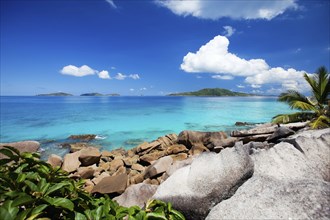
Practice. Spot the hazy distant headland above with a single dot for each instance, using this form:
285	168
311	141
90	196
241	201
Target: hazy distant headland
211	92
84	94
56	94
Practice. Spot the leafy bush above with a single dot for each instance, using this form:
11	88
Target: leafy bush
32	189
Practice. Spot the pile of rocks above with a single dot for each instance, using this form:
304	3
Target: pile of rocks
111	172
207	174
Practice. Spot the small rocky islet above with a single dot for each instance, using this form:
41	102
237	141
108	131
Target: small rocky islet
269	171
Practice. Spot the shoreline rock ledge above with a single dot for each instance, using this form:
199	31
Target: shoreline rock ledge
282	181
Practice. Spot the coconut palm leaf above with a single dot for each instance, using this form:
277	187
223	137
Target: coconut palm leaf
318	112
294	117
297	100
321	122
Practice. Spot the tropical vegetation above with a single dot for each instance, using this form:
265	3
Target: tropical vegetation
211	92
315	108
32	189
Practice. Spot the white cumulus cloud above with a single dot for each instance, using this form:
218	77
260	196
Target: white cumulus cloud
134	76
229	31
214	57
223	77
72	70
104	74
247	9
120	76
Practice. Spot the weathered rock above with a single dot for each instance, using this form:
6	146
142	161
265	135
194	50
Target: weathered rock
211	178
220	144
55	160
111	184
316	148
198	148
159	167
280	132
22	146
274	199
137	194
147	146
151	181
259	130
105	166
98	179
129	161
267	128
74	147
239	123
255	138
288	182
138	167
115	154
175	149
89	156
83	137
138	178
71	162
85	172
192	138
152	156
175	166
180	156
115	164
173	137
120	170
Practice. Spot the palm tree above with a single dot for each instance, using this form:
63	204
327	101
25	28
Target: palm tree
315	108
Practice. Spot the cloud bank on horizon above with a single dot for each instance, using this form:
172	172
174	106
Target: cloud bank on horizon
266	9
214	58
85	70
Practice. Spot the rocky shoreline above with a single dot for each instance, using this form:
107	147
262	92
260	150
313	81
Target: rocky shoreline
270	171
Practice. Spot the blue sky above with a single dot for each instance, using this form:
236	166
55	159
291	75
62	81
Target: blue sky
156	47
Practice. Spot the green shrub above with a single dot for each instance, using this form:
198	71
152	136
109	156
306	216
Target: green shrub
32	189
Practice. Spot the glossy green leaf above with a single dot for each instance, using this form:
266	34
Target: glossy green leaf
7	211
22	200
176	215
56	187
155	216
60	202
31	185
79	216
38	210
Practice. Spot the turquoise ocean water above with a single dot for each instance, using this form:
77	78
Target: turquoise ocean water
125	121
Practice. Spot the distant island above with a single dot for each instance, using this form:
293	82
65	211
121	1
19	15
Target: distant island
92	94
211	92
99	94
56	94
84	94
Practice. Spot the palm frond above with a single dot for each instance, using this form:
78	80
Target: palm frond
312	81
324	84
296	100
321	122
294	117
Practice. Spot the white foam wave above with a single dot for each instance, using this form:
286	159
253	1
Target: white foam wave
100	137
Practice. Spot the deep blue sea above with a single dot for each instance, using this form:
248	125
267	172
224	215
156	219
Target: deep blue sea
125	121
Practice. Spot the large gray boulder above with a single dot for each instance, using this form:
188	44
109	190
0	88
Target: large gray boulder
268	198
288	182
208	139
315	146
196	188
111	184
137	194
71	162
